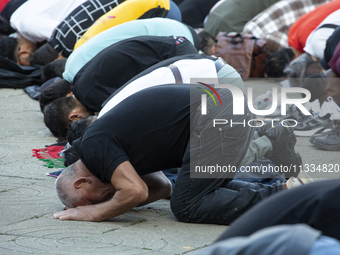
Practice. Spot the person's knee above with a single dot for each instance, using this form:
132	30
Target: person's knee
178	209
180	216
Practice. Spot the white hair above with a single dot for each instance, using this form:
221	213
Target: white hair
64	187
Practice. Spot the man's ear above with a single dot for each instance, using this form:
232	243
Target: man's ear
80	181
74	116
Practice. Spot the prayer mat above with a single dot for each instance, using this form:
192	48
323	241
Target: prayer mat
50	155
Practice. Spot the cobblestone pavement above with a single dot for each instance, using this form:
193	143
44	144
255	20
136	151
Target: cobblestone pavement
28	199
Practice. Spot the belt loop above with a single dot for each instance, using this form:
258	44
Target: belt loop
176	73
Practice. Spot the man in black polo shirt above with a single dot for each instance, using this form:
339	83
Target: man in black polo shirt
158	128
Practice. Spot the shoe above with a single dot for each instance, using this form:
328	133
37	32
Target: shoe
329	106
313	106
294	182
324	132
283	153
293	113
330	141
312	124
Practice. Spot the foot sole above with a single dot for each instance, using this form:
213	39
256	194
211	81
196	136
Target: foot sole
326	147
307	132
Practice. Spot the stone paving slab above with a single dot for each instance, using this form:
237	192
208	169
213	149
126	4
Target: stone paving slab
28	199
129	234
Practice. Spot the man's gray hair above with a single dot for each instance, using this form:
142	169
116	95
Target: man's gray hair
64	187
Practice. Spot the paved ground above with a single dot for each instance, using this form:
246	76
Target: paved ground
28	199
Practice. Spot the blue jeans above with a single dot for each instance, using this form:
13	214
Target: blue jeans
325	245
217	200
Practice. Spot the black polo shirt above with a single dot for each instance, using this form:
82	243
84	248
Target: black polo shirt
150	129
118	63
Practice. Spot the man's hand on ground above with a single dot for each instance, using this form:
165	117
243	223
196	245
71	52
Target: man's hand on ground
78	213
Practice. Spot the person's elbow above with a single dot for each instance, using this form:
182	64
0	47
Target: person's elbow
139	193
167	189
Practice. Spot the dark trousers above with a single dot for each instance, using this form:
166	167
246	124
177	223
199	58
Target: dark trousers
205	198
315	204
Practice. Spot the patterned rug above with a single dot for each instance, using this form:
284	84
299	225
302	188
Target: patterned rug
50	156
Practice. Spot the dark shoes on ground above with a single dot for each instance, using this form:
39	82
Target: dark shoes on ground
329	141
283	154
307	125
310	125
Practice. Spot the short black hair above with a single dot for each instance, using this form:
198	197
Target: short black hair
75	131
55	91
77	128
8	46
206	41
276	63
54	69
56	116
44	55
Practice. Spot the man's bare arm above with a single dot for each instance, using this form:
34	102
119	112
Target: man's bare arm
159	187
